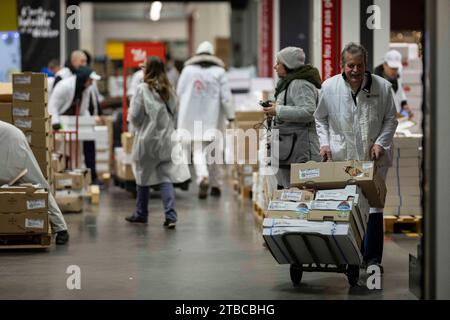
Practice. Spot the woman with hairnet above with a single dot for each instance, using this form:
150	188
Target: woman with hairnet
296	97
157	160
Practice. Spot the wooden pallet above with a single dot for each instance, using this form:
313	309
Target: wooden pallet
403	224
24	241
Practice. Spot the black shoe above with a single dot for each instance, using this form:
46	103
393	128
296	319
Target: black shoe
170	224
215	192
136	219
203	190
62	237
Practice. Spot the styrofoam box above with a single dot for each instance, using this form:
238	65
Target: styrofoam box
102	167
409	51
82	121
413	90
407	142
412	77
102	155
414	64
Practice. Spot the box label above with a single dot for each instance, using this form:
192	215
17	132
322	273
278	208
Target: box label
21	112
367	165
22	80
35	204
65	182
25	96
34	223
291	196
23	123
309	173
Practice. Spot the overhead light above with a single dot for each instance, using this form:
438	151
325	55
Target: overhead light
155	10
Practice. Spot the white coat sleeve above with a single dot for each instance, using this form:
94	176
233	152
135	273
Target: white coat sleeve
321	116
56	102
182	82
401	92
304	97
226	98
390	122
136	111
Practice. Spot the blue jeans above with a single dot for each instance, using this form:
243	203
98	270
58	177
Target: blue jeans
372	249
167	197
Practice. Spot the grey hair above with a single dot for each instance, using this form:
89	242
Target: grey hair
354	49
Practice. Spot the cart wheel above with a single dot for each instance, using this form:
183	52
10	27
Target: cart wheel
353	275
296	274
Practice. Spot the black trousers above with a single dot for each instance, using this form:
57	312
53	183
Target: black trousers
89	158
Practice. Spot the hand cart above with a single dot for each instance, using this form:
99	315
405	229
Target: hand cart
298	266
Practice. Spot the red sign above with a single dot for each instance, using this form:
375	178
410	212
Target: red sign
135	54
266	40
331	38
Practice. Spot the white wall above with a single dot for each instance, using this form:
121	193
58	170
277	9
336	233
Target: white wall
381	37
140	30
87	27
350	22
211	20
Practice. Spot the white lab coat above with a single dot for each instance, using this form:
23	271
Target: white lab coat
204	96
136	79
16	155
399	96
352	130
154	152
62	97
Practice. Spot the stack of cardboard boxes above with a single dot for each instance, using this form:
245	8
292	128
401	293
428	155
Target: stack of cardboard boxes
6	102
246	148
70	187
23	210
339	214
30	114
123	159
102	150
403	181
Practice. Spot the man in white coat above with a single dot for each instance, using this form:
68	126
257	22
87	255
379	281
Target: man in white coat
205	98
16	155
356	120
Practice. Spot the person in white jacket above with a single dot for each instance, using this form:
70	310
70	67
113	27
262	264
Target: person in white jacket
390	70
68	95
205	98
157	160
356	120
16	155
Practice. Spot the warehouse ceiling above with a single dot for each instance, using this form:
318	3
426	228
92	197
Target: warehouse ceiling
138	11
235	4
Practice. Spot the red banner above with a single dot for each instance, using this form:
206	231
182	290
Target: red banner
135	54
266	39
331	38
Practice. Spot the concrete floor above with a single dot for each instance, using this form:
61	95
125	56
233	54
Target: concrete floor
216	252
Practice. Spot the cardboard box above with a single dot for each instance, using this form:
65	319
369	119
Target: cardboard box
127	142
30	109
406	153
293	194
6	112
407	142
253	116
29	222
347	250
287	209
402	211
58	162
23	201
39	139
36	95
69	180
42	155
338	174
6	92
69	201
26	80
32	124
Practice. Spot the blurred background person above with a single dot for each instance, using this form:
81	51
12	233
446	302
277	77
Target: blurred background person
390	70
205	97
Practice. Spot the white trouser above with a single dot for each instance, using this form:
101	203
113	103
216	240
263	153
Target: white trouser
204	166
